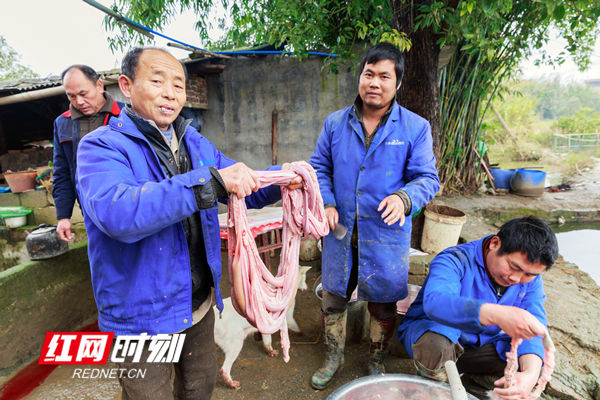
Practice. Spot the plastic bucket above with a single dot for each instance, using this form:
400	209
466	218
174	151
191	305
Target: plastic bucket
528	182
442	228
502	177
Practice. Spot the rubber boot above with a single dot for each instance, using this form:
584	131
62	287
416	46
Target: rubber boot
435	374
381	332
335	339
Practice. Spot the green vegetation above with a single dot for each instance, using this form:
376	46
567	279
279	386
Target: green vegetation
526	141
10	68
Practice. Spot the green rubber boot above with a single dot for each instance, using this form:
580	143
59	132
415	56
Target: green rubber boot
335	339
381	332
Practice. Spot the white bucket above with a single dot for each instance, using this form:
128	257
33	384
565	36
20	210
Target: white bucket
442	228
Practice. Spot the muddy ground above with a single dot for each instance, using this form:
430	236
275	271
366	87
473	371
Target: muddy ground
573	309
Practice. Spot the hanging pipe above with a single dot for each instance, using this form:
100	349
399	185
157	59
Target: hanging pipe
274	136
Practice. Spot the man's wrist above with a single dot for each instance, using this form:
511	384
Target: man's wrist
406	200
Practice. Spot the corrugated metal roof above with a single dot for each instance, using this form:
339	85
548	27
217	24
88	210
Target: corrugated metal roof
25	85
8	88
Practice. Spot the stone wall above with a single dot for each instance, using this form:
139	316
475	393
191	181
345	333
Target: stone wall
43	296
42	204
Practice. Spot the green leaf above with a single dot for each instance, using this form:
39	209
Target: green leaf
559	12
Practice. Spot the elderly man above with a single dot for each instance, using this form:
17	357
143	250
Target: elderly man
148	183
479	295
90	107
376	167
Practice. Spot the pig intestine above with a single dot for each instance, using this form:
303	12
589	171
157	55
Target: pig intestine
512	363
257	295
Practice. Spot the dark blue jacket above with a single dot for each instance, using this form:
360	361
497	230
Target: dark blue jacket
137	248
356	181
66	139
451	297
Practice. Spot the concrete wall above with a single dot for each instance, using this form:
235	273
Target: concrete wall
241	101
43	296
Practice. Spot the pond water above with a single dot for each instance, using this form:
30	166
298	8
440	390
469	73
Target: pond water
579	243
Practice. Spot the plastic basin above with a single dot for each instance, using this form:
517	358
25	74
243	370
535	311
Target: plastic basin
14	217
528	182
502	177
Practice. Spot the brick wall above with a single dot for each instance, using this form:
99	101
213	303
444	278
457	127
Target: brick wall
196	92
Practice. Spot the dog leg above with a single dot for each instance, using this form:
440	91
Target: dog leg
268	346
231	353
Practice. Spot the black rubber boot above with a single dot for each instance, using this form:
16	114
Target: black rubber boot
381	333
335	339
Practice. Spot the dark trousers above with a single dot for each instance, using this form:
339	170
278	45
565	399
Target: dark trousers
195	373
333	304
432	350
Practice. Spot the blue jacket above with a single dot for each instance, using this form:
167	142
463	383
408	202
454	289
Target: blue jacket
137	247
66	140
450	299
356	181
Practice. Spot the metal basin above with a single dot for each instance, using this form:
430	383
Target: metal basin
393	387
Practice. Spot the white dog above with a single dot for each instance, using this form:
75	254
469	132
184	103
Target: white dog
231	329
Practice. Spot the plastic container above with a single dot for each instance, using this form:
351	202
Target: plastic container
20	181
442	228
14	217
394	387
403	305
502	177
15	222
528	182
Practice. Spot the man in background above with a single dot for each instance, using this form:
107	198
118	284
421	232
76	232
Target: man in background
90	107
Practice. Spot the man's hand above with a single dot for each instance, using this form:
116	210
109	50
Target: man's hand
394	209
332	217
240	180
64	230
531	365
295	183
514	321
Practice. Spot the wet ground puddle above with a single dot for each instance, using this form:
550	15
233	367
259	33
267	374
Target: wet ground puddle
579	243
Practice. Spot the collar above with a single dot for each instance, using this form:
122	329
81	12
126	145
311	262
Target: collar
145	125
108	107
358	109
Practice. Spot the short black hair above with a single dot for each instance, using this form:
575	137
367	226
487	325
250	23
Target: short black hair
132	58
385	51
88	71
531	236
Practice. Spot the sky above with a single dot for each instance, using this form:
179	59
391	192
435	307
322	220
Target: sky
51	35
